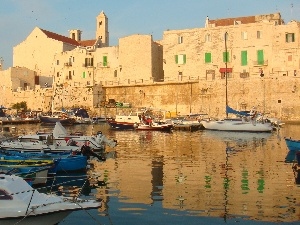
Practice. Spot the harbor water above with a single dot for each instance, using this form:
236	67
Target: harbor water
183	177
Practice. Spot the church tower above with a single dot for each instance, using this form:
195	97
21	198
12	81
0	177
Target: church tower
102	29
75	34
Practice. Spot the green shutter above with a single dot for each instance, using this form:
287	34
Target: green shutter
225	56
260	57
207	57
83	75
176	59
184	59
104	60
244	58
293	37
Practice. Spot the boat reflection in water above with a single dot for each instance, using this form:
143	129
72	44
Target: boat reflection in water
239	139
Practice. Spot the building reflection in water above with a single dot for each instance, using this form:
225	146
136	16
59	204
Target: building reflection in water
203	174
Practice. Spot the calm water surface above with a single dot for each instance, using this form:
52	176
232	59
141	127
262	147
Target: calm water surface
200	177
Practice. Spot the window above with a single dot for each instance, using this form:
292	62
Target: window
244	58
244	35
260	57
105	60
180	59
57	74
5	196
225	56
289	37
207	57
180	39
258	34
57	62
70	76
89	62
207	38
180	75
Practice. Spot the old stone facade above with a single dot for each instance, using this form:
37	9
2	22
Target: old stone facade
184	72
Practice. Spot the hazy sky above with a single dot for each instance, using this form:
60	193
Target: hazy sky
125	17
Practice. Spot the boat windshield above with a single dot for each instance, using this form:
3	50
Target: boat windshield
4	195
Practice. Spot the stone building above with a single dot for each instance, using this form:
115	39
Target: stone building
259	50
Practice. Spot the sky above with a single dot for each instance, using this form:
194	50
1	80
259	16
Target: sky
18	18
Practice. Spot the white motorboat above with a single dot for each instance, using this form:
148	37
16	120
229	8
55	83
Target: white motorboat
61	138
21	204
37	146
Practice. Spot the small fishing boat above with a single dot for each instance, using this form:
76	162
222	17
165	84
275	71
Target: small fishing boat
22	204
36	146
66	161
153	126
33	171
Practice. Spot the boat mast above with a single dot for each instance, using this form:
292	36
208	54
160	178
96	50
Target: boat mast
226	97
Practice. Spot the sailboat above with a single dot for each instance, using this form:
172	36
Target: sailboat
246	122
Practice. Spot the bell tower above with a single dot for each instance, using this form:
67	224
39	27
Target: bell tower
102	29
75	34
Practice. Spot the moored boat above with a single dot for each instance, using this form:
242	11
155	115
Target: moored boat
237	125
125	122
22	204
292	144
59	136
34	171
153	126
53	119
65	161
36	146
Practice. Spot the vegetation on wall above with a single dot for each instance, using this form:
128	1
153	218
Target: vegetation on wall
20	106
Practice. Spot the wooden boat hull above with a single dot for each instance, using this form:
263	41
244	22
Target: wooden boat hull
165	128
122	125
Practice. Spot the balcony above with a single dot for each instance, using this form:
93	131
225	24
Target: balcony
244	75
68	64
260	63
103	65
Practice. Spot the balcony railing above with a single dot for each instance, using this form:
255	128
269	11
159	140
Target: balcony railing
68	64
260	63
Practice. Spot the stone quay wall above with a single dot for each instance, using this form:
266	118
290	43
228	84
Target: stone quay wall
275	96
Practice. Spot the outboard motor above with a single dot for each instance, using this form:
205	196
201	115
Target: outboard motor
88	152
